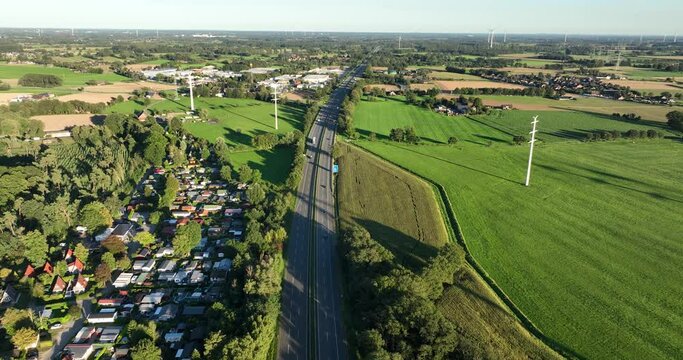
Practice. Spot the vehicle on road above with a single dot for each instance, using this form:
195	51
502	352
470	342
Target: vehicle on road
55	326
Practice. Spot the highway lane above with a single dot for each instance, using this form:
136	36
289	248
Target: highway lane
310	322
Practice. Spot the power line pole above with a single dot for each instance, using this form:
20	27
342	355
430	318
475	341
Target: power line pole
531	149
189	79
275	97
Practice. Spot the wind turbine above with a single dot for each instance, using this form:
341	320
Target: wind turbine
565	38
274	86
399	42
493	38
189	80
505	37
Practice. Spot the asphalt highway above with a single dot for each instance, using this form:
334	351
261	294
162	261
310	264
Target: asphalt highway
311	325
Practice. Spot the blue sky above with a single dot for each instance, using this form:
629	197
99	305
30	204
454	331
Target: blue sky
514	16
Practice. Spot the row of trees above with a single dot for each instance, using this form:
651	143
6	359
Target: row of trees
406	135
40	80
607	135
345	121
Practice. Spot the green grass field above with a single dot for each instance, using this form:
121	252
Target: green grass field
586	104
401	212
436	129
237	121
70	78
589	251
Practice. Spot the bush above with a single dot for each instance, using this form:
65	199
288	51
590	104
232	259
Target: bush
519	139
40	80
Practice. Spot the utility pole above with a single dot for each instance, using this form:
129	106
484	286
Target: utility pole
531	149
275	97
175	83
189	79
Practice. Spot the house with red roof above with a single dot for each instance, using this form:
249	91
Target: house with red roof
76	266
30	271
48	268
69	255
79	285
58	286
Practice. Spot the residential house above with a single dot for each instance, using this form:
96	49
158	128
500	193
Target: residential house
80	284
153	298
8	296
58	286
173	336
30	271
167	265
110	334
79	351
123	280
110	302
48	268
166	312
103	317
196	277
124	232
164	251
75	267
85	334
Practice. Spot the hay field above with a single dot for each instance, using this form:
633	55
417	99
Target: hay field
61	122
462	84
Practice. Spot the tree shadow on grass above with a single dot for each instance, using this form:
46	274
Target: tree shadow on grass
409	252
603	181
459	165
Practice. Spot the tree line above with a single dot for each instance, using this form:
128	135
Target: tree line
393	308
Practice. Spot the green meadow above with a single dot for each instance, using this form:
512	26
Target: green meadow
68	76
590	252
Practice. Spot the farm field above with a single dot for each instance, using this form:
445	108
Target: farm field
643	74
588	252
583	104
450	85
70	78
61	122
401	212
444	75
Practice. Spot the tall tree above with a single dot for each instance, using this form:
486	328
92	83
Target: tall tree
35	247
